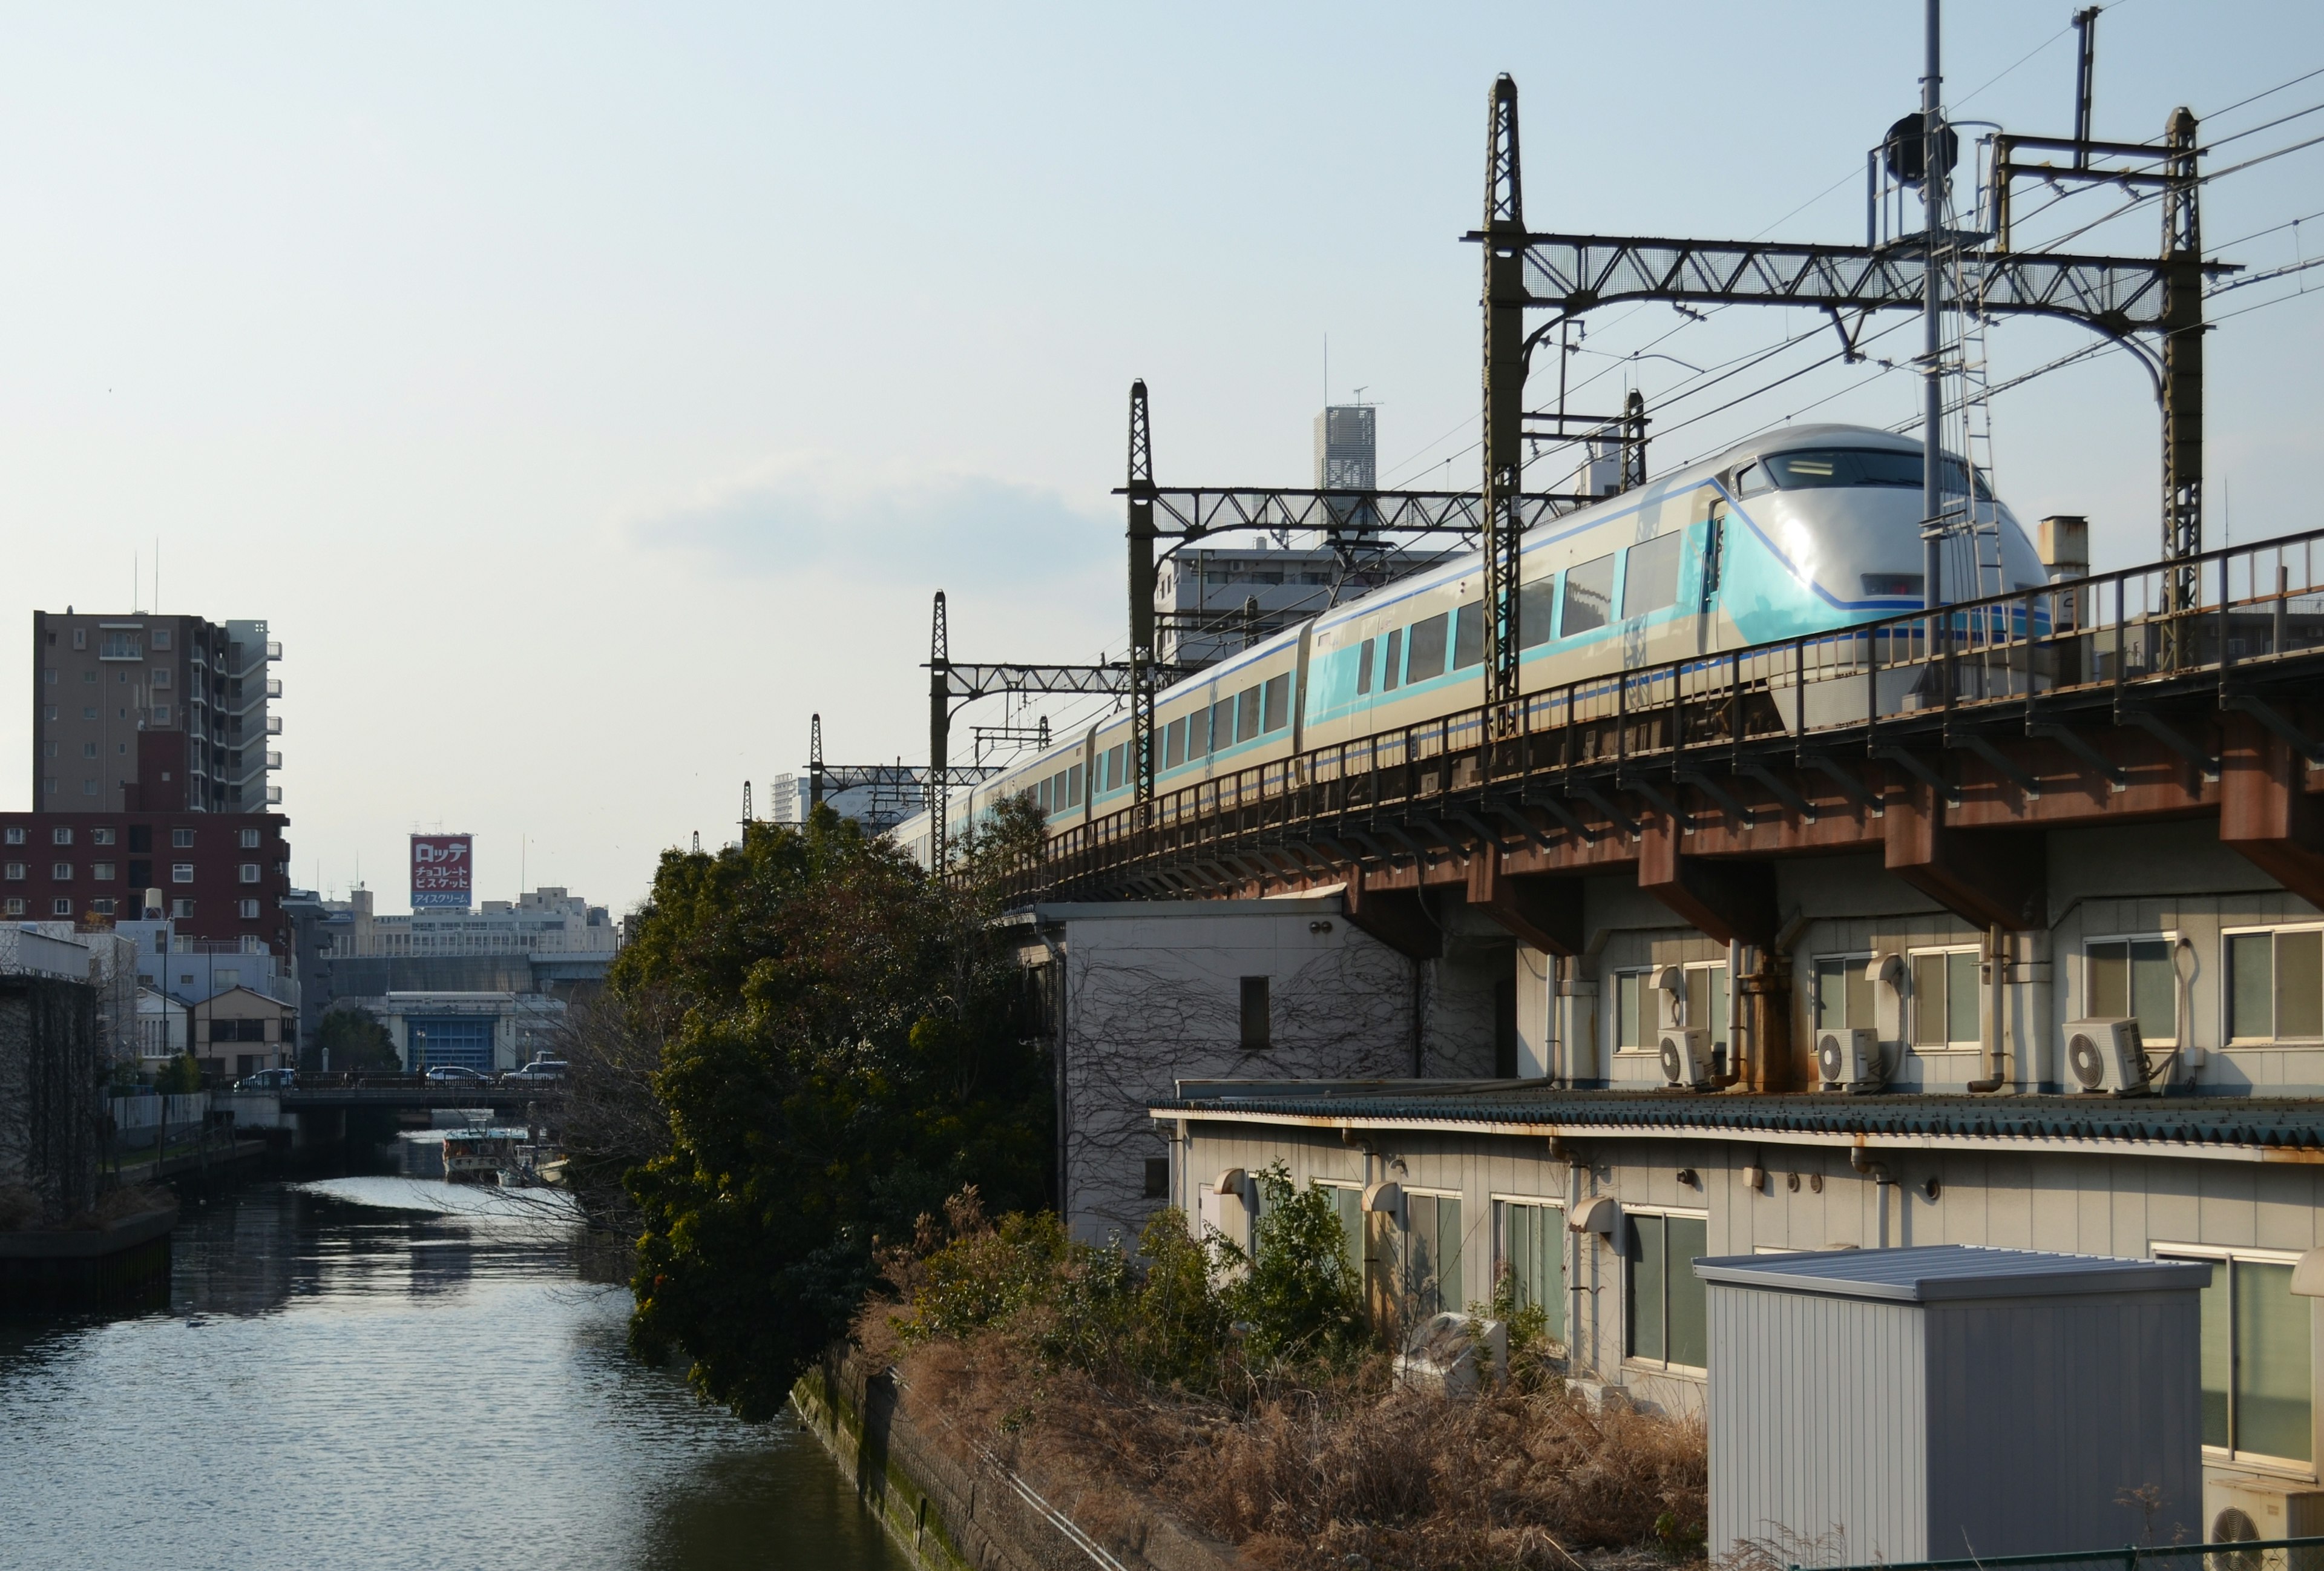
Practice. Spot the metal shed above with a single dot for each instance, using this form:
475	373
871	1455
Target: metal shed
1915	1404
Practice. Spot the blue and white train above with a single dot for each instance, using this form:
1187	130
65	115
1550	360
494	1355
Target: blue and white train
1802	530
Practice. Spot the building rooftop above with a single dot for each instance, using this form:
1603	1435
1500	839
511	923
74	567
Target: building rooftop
1517	1107
1933	1273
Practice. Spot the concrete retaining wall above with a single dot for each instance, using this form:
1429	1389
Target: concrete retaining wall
951	1516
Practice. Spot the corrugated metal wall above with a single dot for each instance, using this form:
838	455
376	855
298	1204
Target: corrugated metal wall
2043	1412
1818	1419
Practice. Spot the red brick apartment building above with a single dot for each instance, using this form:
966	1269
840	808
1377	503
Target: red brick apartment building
222	875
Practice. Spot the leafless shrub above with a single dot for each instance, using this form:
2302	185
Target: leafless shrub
613	1120
1344	1469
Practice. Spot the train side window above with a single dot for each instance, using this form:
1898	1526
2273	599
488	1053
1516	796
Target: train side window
1198	734
1427	658
1246	713
1714	541
1469	636
1751	480
1073	786
1589	596
1537	611
1278	703
1364	667
1223	731
1650	582
1113	761
1392	664
1041	795
1174	744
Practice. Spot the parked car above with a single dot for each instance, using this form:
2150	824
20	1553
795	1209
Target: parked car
268	1080
458	1074
539	1069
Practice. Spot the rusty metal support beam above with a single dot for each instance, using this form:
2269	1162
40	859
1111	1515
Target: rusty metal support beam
2265	812
1729	902
1396	918
1542	911
1986	876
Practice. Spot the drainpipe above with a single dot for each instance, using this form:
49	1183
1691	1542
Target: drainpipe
1064	1121
1997	970
1735	1028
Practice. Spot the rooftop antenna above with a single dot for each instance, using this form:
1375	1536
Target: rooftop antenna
746	809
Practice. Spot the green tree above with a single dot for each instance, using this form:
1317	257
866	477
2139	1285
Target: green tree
181	1077
1299	1297
350	1037
845	1041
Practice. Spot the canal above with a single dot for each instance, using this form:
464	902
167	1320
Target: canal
393	1372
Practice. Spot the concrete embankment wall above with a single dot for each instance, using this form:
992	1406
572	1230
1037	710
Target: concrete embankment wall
948	1515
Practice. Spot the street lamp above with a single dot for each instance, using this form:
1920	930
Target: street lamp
419	1051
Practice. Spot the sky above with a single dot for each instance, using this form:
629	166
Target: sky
586	394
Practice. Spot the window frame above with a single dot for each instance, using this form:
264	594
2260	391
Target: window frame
1645	1046
1971	1043
1405	1260
1717	1024
2274	1039
1645	558
2218	1255
1666	1364
1607	599
1537	600
1859	963
1468	634
181	873
1438	647
1255	1029
1555	1205
2169	939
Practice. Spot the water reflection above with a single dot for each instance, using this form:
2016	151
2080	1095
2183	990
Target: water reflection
385	1371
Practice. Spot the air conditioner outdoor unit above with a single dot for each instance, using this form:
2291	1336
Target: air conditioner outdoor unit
2106	1055
1849	1058
1686	1057
2248	1510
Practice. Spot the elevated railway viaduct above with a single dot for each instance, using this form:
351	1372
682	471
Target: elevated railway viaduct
1951	747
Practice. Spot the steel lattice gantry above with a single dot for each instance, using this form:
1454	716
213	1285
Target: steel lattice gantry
1351	520
2151	305
952	683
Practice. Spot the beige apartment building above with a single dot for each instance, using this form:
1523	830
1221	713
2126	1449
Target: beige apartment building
143	713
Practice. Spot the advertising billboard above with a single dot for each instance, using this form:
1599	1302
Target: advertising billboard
443	872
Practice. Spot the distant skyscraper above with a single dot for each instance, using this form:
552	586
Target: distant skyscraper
1347	447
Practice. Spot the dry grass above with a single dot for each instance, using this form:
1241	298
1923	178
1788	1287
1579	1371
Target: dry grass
1342	1472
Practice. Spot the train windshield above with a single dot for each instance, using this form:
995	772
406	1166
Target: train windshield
1814	467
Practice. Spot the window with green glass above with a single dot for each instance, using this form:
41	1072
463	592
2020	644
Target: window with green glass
1667	1318
1349	1204
2132	978
1432	1252
1706	998
1533	1257
2255	1361
1944	998
1630	1009
1844	991
2275	986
